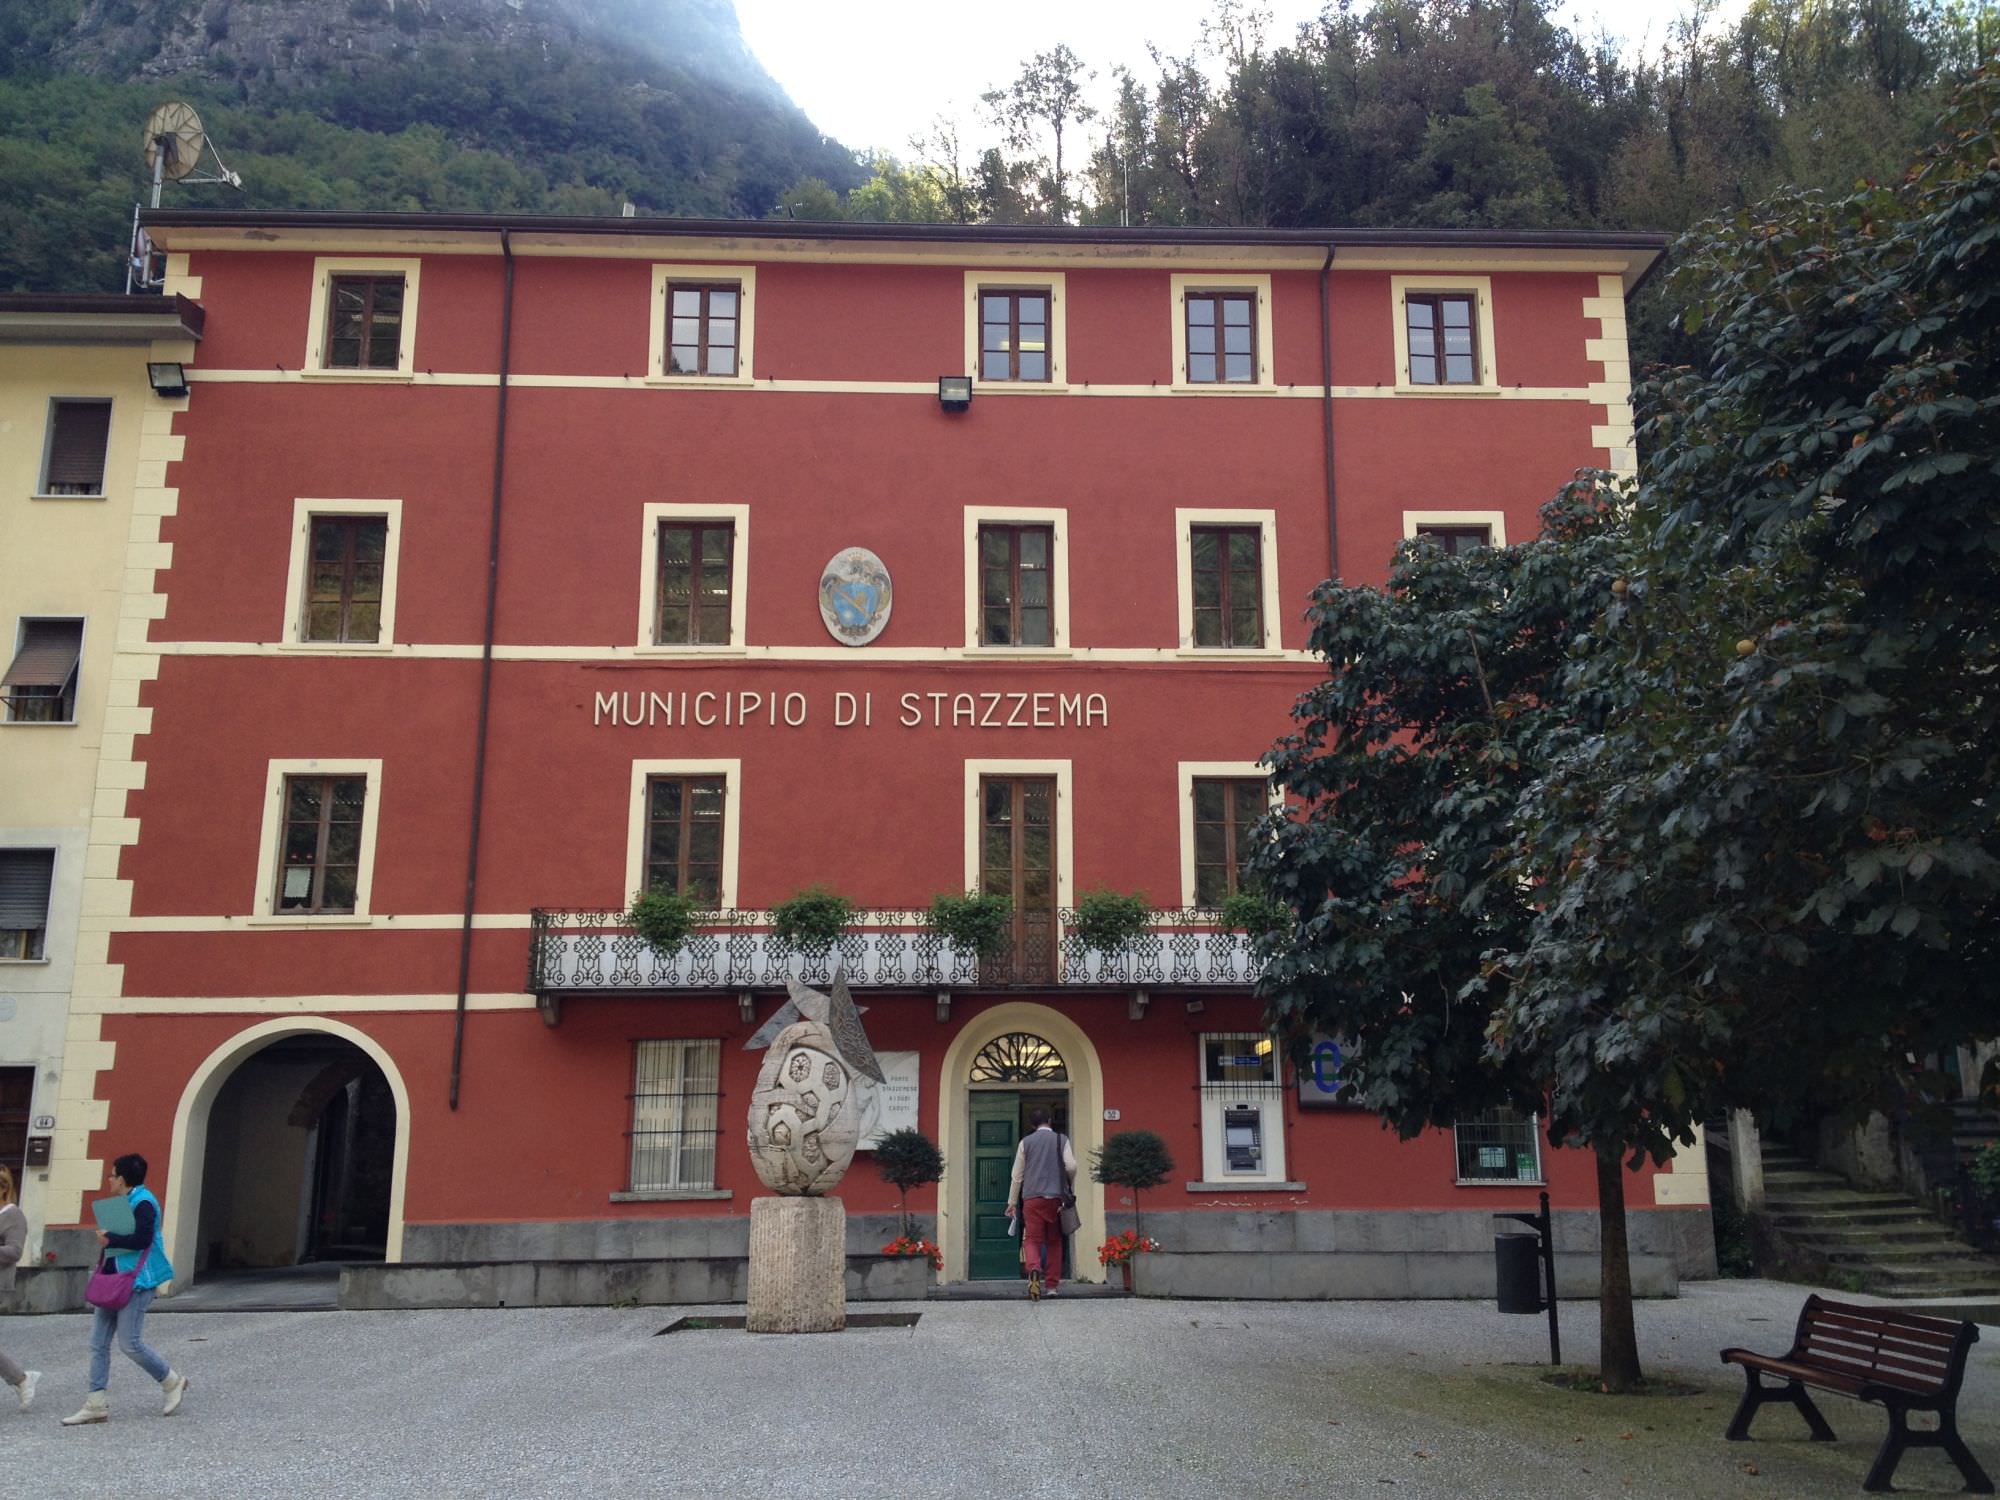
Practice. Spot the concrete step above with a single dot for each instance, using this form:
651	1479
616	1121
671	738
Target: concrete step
1920	1252
1805	1177
1840	1229
1780	1204
1930	1277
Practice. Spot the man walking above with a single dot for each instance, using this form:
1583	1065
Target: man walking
1044	1171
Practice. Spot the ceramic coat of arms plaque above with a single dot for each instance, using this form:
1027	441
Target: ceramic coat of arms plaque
854	596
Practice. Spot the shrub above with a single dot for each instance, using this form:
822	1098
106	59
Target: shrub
663	918
1107	920
1134	1159
813	919
973	923
1255	913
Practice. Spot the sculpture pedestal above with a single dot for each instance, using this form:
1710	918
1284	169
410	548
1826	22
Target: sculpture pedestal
798	1265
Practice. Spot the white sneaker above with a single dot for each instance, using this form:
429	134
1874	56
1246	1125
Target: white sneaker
25	1391
96	1408
173	1388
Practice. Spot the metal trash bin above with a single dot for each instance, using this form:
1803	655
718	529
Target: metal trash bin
1517	1269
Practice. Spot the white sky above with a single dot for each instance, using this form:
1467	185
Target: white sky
873	73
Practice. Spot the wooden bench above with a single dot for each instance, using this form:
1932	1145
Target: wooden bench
1905	1361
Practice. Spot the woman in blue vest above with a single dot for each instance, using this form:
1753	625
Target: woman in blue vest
142	1249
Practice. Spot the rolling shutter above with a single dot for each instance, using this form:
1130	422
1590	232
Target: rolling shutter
25	877
48	654
78	433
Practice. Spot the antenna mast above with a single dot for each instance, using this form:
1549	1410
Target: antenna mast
174	142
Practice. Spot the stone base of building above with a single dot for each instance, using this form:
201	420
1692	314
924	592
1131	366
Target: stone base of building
1311	1276
682	1281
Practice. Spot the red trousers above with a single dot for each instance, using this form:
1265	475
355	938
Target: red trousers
1041	1237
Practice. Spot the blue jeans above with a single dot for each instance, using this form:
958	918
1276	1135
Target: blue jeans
129	1323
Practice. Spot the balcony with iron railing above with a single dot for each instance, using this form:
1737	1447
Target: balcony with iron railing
597	952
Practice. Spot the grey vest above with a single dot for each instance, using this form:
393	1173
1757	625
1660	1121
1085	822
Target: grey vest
1042	1174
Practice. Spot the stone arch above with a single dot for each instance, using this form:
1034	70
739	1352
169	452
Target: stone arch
190	1138
1086	1114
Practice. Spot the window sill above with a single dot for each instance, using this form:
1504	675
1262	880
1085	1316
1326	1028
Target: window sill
1405	389
363	376
1260	1185
1230	653
1020	388
703	382
1224	388
98	496
38	723
324	647
1018	653
26	962
334	919
647	648
1500	1182
676	1195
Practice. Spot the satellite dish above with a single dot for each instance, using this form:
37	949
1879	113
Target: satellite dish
174	141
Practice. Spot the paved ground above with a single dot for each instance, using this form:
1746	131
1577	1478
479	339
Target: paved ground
1068	1399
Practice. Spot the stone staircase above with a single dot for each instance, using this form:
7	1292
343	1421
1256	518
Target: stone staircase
1886	1238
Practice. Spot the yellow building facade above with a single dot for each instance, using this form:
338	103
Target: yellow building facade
85	436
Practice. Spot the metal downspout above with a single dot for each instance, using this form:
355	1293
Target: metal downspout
1326	417
485	666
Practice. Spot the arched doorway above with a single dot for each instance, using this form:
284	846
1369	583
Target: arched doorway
290	1145
1006	1062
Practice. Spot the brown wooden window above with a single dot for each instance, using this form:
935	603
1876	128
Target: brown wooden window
1226	810
1444	343
79	432
702	328
1221	338
695	583
1016	585
321	864
26	876
40	683
1017	859
1228	586
344	578
684	835
1457	539
364	323
1014	335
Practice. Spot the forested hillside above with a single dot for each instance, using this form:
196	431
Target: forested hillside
559	106
1454	112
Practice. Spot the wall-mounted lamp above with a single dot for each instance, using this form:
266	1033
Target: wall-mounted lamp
1196	1007
167	378
954	392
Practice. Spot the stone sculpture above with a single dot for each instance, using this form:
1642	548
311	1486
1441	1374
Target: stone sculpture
807	1109
807	1113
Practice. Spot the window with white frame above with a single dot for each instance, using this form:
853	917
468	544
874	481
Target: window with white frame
1014	331
1222	332
1444	334
340	590
26	878
676	1094
695	561
40	685
1502	1145
1242	1108
363	317
317	860
704	324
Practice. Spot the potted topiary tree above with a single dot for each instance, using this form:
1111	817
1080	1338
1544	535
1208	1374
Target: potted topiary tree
1137	1160
813	920
908	1159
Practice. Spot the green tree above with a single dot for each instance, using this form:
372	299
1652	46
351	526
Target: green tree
908	1159
1134	1160
1045	100
1780	867
1446	698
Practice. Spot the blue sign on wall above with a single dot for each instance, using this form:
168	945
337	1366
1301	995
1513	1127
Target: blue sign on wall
1319	1077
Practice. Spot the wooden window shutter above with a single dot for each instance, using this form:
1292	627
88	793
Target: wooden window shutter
78	434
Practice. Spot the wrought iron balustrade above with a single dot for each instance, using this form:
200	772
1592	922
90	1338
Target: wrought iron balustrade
573	951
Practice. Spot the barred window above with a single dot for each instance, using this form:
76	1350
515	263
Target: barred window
1242	1107
676	1096
1502	1145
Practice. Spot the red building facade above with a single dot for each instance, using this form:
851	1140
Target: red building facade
495	582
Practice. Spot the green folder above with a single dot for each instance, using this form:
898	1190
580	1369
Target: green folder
114	1215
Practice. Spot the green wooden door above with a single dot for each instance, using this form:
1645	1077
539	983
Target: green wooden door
996	1126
